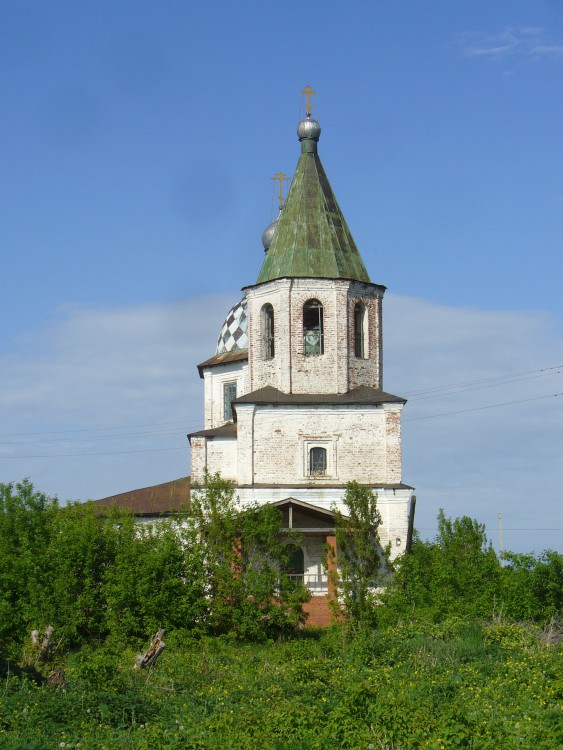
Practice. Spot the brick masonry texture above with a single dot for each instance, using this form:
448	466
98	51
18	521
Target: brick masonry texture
272	443
337	370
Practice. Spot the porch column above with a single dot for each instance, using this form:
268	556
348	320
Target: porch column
331	561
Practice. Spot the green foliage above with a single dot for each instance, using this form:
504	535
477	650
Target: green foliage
93	576
441	686
246	590
458	574
532	586
26	518
155	580
82	545
219	569
362	563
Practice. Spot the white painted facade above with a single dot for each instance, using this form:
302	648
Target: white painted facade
268	455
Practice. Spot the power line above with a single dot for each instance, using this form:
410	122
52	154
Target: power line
546	370
99	429
481	408
413	395
109	453
147	450
516	377
420	528
160	433
467	389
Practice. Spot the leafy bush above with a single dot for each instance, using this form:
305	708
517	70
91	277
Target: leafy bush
243	559
459	575
93	576
532	586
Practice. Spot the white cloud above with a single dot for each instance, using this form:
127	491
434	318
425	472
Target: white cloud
551	50
121	380
98	374
480	461
526	43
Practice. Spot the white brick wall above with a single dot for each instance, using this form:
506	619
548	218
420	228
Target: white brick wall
363	443
269	458
337	370
214	381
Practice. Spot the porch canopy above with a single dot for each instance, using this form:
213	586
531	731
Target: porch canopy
304	517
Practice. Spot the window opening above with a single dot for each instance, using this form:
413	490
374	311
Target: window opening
229	395
268	323
294	562
359	316
317	462
313	334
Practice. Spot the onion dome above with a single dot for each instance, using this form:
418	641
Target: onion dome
308	129
234	332
268	234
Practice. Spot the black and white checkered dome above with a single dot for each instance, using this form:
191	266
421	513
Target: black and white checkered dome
234	333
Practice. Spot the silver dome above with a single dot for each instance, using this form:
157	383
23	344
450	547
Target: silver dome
308	129
268	235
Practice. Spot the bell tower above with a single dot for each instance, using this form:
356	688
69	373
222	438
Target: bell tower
294	399
315	315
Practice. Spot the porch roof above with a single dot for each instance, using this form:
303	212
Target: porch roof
304	517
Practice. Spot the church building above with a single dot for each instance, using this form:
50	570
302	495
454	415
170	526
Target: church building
294	399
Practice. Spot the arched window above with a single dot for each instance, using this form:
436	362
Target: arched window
317	462
313	334
268	346
294	561
359	321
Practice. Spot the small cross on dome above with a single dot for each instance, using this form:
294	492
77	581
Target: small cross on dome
308	92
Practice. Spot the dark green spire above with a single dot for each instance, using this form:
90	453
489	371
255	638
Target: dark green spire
312	239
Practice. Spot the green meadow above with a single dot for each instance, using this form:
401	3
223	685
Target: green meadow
457	685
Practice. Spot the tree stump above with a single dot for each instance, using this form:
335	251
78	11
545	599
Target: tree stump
142	661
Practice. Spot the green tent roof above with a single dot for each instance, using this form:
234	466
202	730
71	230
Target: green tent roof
312	239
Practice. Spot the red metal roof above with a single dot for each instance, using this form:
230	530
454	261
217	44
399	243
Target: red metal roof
152	501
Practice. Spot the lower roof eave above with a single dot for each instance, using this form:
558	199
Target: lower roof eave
228	430
361	396
323	486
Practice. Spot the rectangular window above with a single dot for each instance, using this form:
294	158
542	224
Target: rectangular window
317	462
319	457
229	395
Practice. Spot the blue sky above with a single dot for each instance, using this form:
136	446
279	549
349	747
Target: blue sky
138	141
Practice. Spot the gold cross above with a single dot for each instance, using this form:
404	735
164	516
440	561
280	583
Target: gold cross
281	178
308	91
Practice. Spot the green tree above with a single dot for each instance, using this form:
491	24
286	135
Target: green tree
82	546
532	586
362	562
156	579
25	526
457	574
246	589
93	574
